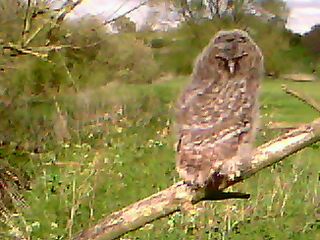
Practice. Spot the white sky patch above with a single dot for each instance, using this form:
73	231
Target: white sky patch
303	3
108	9
303	14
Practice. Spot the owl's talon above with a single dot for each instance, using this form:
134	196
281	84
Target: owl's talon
193	185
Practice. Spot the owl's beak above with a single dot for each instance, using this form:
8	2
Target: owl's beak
231	65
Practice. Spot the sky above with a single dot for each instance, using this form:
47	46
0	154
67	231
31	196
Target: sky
303	13
108	9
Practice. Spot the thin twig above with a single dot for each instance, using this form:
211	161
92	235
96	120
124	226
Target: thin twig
118	9
67	8
126	13
64	164
26	23
73	208
34	34
282	125
24	51
42	52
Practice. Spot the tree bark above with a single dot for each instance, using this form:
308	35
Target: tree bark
173	198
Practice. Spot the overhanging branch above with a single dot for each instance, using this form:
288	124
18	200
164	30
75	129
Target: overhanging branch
26	23
125	13
173	198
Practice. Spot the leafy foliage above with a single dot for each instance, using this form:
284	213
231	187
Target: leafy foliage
310	40
91	59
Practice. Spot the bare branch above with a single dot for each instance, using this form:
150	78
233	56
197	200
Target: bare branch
212	9
186	11
302	97
283	125
23	51
126	13
40	52
118	9
34	34
68	7
173	198
26	23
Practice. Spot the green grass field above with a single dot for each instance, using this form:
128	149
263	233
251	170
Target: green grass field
132	156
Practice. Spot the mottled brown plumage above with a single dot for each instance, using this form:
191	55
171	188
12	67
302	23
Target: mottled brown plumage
218	112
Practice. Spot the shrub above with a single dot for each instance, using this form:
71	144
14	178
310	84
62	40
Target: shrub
92	60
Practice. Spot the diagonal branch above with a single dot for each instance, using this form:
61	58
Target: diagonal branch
125	13
171	199
17	50
27	37
42	51
26	23
302	97
67	8
55	22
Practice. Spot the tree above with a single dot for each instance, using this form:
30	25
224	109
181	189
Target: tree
124	24
277	7
198	9
311	39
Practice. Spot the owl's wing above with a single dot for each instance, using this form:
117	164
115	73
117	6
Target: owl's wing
216	124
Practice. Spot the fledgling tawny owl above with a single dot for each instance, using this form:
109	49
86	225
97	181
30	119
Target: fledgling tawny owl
218	112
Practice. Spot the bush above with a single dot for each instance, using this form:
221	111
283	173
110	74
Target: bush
133	59
94	59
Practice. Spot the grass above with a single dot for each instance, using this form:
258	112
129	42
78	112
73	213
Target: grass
131	156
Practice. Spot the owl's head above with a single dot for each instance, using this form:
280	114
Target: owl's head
231	47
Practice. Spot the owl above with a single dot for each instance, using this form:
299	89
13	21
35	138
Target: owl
217	114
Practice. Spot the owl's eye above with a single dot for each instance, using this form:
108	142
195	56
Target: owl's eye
229	39
241	39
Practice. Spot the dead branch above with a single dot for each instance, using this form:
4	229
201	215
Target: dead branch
56	21
64	164
173	198
17	50
26	23
67	8
283	125
41	52
125	13
302	97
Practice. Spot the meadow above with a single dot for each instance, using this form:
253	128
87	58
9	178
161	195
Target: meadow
130	155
